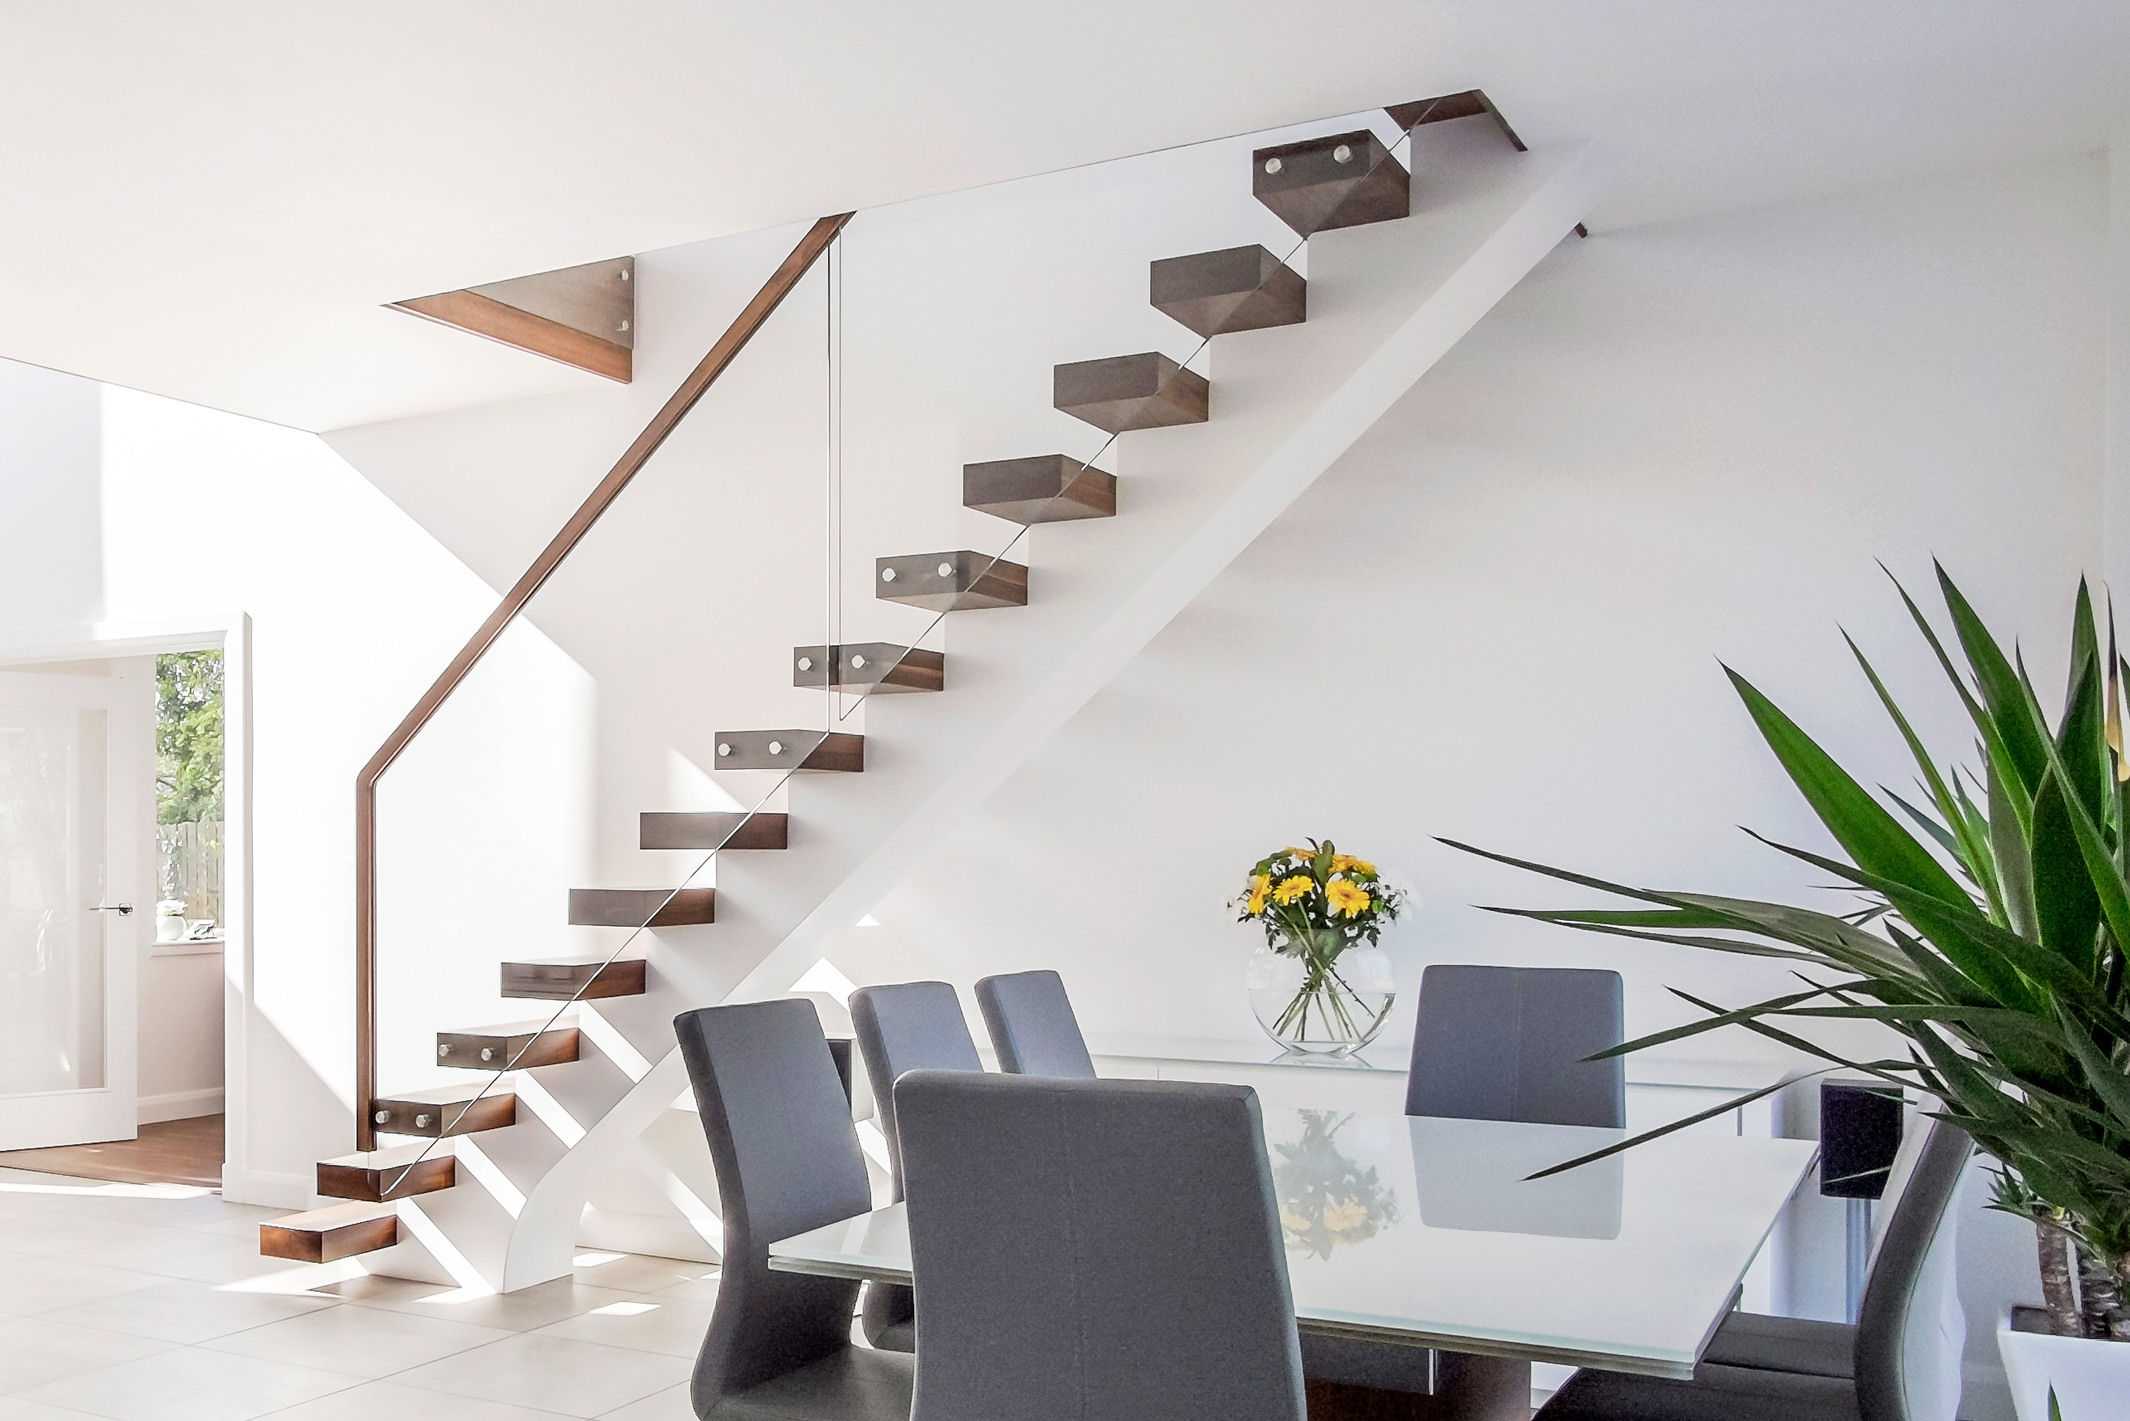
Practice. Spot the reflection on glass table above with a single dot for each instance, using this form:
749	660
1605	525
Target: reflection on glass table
1425	1231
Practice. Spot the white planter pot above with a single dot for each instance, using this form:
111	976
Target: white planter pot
2091	1378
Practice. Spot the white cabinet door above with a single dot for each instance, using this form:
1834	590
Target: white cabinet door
76	799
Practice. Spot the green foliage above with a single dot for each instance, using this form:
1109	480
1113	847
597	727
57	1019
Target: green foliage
188	737
1993	942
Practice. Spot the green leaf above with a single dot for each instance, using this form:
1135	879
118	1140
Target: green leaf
1996	753
1971	853
2066	907
2109	1081
2011	707
1719	1019
2008	830
1866	832
1661	1131
1993	958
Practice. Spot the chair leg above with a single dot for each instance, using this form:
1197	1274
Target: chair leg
1469	1388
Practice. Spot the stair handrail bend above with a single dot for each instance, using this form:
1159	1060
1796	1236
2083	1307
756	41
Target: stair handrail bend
751	318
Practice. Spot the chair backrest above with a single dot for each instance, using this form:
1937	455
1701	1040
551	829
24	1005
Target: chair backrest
787	1160
1910	1330
1032	1026
1509	1043
1094	1251
909	1026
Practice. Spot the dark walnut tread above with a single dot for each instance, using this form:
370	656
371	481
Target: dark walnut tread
833	750
960	581
1120	393
441	1114
384	1175
1342	180
874	667
508	1048
581	978
325	1235
641	907
1238	289
661	829
1047	488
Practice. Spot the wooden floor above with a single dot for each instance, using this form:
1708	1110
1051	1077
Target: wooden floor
173	1152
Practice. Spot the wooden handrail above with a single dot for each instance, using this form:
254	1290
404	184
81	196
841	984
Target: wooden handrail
787	275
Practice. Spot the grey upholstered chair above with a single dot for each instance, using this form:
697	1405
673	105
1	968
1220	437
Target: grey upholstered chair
1032	1026
1900	1362
1494	1043
909	1026
787	1160
1508	1043
1094	1251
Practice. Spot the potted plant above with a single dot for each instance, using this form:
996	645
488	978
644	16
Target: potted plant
1320	984
1991	938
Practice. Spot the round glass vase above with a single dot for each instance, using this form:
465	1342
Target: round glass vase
1321	996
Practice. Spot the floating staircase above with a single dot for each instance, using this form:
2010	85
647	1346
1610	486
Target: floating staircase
1335	385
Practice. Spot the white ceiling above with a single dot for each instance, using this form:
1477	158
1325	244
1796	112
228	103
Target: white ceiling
212	199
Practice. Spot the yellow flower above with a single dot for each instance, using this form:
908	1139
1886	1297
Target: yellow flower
1303	854
1343	863
1346	1216
1259	887
1298	886
1348	899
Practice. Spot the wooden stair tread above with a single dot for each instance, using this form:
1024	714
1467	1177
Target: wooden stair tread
790	749
513	1046
878	667
1235	289
1472	103
444	1111
1126	392
959	581
641	907
663	829
1047	488
334	1232
584	978
1312	188
399	1172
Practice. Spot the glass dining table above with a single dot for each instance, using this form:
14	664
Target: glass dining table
1428	1232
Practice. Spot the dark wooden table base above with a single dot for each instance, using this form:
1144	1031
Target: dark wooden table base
1469	1389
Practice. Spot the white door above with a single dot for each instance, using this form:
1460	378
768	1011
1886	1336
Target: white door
75	795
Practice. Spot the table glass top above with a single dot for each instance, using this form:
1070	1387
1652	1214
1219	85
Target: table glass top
1426	1230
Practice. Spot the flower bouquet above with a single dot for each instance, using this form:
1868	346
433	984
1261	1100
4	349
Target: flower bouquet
1320	983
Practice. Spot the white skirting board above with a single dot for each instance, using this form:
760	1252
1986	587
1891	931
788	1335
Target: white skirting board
180	1105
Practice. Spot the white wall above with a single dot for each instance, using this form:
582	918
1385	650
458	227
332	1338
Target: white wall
1499	618
168	515
181	1056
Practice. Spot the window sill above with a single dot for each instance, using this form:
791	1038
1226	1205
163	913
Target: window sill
185	949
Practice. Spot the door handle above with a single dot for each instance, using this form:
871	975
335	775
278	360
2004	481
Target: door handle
124	910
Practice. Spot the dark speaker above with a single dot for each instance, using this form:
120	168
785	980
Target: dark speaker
1859	1134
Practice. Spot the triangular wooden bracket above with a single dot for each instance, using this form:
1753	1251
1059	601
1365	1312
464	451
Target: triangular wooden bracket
581	315
1470	104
